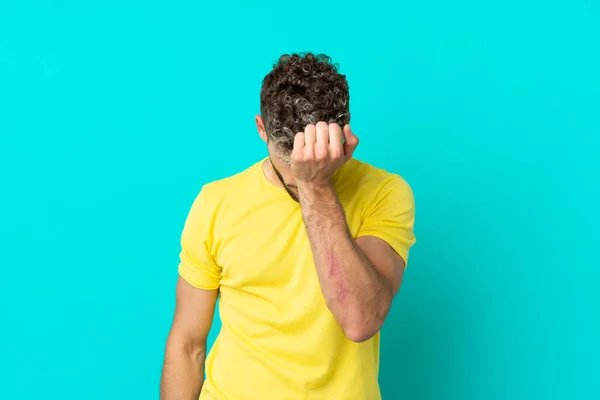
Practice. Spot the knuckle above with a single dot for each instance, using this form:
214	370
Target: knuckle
321	154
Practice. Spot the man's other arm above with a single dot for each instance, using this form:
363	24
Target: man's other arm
183	369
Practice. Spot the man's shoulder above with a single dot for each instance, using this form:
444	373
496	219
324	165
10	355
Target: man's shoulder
369	178
232	185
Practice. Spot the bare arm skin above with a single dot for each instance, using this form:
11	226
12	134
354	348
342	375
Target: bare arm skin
359	278
183	369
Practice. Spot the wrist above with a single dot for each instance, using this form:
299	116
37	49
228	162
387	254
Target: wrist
312	189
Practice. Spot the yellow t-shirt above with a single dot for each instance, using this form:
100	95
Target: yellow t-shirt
278	339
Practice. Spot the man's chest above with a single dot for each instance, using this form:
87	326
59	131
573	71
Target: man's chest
268	247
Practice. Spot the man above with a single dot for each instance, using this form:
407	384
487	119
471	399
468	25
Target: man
306	248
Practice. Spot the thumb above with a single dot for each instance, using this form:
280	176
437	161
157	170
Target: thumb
350	142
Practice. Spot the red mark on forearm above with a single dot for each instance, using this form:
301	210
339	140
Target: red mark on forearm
334	266
337	277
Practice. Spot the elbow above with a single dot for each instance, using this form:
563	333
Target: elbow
361	330
192	347
359	335
362	326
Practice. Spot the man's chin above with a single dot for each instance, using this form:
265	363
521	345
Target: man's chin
293	195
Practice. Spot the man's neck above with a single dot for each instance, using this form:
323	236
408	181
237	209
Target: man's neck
270	174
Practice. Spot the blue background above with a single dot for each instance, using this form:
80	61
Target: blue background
114	113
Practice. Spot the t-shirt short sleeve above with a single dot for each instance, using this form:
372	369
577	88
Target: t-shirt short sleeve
197	265
391	216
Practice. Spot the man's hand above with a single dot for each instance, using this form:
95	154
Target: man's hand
318	152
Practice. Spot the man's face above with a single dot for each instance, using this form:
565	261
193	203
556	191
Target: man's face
283	172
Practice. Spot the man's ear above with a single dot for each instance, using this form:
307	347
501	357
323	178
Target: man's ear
260	127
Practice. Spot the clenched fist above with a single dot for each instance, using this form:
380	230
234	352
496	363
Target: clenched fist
319	151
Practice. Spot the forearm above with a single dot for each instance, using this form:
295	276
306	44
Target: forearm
357	295
183	372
